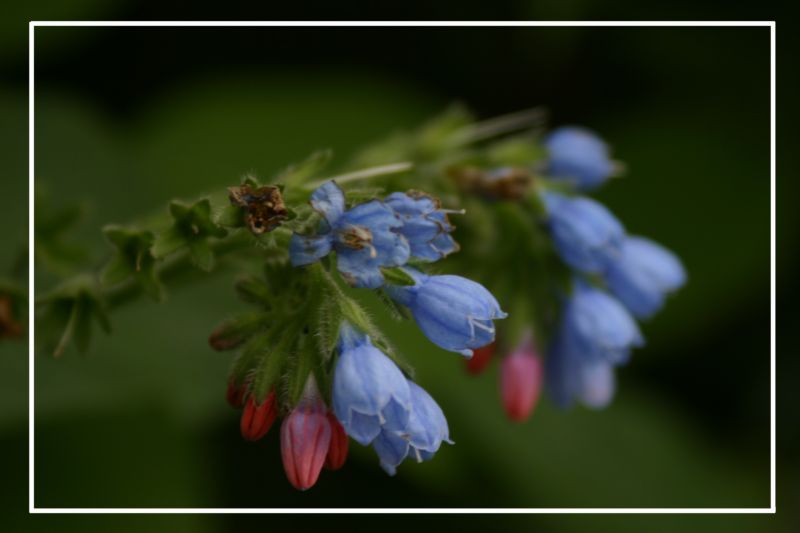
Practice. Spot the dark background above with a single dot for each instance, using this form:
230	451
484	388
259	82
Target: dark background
129	118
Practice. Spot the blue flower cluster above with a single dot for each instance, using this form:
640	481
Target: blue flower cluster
598	329
374	234
376	404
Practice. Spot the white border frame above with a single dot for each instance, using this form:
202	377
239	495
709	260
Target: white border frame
40	510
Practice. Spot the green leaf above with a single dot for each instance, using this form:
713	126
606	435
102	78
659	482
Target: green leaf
397	276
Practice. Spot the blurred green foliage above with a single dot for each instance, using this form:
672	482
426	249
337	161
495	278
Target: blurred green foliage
141	420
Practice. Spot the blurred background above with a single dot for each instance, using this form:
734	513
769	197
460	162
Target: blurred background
127	119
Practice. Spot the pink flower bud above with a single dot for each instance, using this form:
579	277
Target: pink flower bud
521	382
337	451
235	394
481	357
305	439
258	418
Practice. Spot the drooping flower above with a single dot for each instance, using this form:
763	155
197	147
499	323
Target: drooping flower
257	417
420	439
643	274
305	440
455	313
521	381
365	238
586	234
579	156
369	391
598	326
425	224
337	451
569	376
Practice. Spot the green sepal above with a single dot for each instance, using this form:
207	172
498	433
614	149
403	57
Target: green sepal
193	225
74	305
254	290
271	364
233	332
326	321
396	311
303	364
201	254
397	276
133	258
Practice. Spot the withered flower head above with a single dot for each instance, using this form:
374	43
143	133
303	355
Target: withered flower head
505	183
264	206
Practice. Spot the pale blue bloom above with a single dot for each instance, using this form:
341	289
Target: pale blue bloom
425	224
598	326
569	376
420	439
643	274
365	238
578	156
369	391
455	313
586	235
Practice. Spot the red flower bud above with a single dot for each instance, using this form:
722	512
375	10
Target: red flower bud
521	382
337	451
257	419
480	359
305	439
235	394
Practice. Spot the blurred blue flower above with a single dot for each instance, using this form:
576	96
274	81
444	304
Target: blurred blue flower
425	224
420	439
598	327
369	391
455	313
579	156
643	274
365	238
586	234
569	376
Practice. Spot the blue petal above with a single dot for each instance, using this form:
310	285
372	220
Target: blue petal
328	199
597	383
601	326
455	313
579	156
366	240
391	448
643	274
569	376
366	381
424	225
427	425
586	234
362	428
306	250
